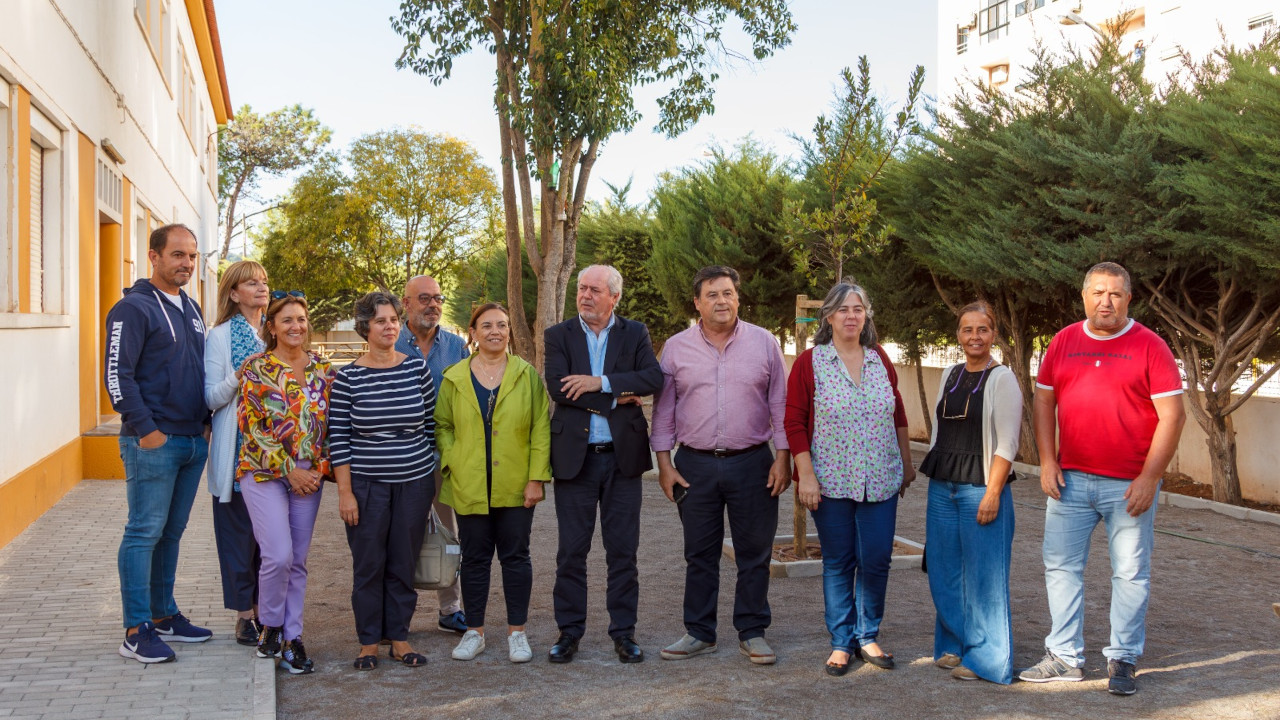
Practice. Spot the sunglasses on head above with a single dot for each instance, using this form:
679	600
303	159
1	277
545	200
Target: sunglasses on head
282	294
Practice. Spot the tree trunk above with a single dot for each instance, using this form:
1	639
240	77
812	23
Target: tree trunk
520	335
231	214
1222	450
800	529
924	400
1018	348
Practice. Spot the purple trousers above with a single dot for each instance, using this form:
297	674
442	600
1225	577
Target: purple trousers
282	524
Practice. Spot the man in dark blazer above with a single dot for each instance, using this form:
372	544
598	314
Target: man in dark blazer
598	366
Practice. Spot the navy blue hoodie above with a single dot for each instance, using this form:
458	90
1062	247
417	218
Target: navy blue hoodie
155	363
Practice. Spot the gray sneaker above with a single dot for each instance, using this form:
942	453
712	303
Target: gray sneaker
1051	669
686	647
1122	680
758	651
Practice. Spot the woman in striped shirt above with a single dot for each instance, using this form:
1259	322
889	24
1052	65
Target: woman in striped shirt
381	440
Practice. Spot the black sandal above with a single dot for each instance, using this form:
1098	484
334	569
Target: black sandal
411	659
883	661
838	669
366	662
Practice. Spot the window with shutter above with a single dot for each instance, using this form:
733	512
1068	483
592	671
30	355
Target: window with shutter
37	229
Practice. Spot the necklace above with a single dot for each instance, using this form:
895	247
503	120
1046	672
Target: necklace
489	375
493	378
960	376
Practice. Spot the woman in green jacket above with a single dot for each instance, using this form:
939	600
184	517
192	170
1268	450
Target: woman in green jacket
493	430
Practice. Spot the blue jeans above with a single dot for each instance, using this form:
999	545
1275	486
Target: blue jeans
857	546
160	485
1068	526
969	579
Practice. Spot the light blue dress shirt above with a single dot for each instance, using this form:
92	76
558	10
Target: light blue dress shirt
596	346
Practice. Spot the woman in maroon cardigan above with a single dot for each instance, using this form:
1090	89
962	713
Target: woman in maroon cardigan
848	434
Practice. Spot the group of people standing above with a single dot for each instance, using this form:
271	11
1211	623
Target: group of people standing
419	426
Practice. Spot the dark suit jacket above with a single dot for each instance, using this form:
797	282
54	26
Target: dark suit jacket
632	370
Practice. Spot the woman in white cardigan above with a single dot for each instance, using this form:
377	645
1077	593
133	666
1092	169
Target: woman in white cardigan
235	337
970	513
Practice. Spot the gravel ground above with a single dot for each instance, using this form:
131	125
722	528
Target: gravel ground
1213	644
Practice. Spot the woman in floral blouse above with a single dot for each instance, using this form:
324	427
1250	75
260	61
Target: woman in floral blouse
848	434
283	413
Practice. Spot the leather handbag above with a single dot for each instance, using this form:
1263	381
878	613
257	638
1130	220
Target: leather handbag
439	558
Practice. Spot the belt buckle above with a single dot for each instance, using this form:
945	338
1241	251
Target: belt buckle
720	452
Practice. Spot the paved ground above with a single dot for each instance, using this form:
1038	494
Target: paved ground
1213	643
60	611
1213	647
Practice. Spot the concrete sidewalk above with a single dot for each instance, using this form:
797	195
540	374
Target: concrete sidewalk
60	610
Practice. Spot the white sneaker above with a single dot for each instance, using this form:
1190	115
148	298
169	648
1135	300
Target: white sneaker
471	645
518	647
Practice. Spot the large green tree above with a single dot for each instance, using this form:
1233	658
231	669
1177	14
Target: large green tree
253	145
431	202
299	246
1202	234
728	210
566	74
994	206
836	218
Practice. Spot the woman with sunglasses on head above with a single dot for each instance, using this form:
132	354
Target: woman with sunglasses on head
381	435
494	433
847	429
236	337
969	521
284	458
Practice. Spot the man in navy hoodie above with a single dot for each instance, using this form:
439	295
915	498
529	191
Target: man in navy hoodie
155	376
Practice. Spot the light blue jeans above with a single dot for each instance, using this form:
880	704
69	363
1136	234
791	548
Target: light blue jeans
969	579
1068	526
857	547
160	485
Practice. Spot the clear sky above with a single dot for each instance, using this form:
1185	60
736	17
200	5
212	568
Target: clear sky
338	57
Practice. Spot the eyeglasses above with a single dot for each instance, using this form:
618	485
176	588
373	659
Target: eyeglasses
964	414
282	294
428	299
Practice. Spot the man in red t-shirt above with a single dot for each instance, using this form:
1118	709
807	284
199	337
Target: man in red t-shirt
1108	415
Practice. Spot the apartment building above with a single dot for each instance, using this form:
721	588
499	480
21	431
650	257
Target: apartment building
992	41
109	112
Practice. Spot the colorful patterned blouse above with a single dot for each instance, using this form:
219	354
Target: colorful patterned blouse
282	421
855	444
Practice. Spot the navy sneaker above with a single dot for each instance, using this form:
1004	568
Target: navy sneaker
1122	680
145	647
294	658
269	642
457	622
177	628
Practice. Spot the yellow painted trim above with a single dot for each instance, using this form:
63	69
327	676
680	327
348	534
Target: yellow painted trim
27	495
208	62
23	151
110	245
100	455
126	238
88	268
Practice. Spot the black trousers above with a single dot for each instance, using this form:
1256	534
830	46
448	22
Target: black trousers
238	556
599	483
505	530
384	544
738	484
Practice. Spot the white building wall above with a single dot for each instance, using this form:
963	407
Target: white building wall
90	70
1162	29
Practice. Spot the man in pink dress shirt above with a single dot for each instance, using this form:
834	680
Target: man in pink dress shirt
722	400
